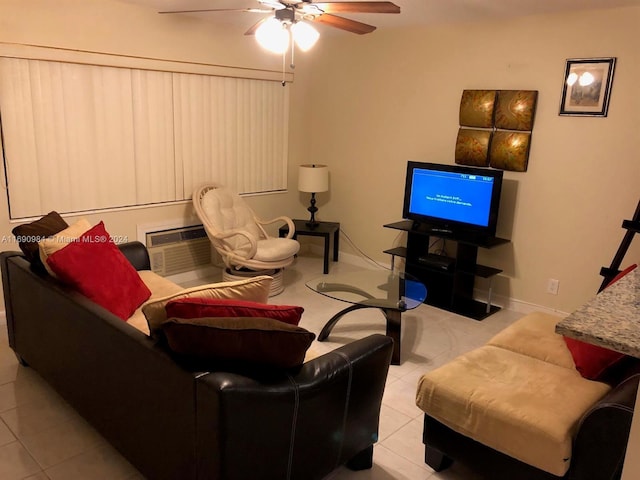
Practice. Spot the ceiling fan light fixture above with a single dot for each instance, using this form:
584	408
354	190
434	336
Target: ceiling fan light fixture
304	35
272	35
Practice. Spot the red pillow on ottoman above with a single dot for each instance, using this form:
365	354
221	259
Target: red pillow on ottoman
593	361
188	308
95	267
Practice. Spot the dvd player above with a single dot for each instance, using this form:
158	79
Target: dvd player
434	260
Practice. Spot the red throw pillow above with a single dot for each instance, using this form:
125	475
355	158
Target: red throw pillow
188	308
95	266
263	341
593	361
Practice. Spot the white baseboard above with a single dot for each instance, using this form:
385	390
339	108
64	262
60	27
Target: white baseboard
504	302
352	259
516	305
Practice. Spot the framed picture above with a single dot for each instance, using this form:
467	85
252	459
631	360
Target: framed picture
587	86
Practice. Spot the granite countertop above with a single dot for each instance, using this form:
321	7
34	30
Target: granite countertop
611	319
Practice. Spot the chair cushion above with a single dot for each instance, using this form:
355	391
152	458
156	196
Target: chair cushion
534	335
98	269
226	211
263	341
276	249
516	404
254	289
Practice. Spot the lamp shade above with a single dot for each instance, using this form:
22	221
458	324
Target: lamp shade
313	178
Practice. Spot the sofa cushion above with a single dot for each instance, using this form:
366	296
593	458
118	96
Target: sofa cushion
95	266
254	289
214	307
160	287
29	234
69	235
534	335
255	340
519	405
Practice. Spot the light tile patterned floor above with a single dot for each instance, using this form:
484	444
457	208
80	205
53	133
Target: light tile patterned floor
41	437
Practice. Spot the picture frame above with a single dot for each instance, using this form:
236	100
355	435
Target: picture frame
586	87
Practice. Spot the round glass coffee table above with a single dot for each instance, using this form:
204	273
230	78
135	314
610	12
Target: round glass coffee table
391	292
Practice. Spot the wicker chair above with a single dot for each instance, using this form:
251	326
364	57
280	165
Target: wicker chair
240	238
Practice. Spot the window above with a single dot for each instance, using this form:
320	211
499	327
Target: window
80	137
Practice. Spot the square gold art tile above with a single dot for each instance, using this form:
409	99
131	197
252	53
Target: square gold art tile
510	150
472	147
515	109
476	108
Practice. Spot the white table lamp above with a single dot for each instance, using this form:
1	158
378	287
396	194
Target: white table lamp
313	178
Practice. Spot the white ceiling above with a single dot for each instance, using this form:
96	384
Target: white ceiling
413	12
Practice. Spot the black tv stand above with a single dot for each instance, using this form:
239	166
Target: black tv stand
449	280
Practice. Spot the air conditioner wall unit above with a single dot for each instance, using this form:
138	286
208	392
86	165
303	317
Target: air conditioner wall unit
178	250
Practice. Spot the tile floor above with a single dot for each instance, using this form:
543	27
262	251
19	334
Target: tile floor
41	437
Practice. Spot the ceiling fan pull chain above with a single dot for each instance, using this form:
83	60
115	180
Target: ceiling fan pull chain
284	62
293	49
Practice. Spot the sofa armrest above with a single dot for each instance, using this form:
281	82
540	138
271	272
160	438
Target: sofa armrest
298	425
137	254
8	306
600	444
129	388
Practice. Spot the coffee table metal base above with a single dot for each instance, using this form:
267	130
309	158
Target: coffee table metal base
392	316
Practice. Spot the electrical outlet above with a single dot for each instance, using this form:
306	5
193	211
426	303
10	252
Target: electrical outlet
552	286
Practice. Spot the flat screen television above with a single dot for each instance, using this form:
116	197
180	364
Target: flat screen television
453	200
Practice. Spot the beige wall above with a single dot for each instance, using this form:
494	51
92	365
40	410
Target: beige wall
366	104
381	100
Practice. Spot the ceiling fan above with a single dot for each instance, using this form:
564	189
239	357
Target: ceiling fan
291	12
287	25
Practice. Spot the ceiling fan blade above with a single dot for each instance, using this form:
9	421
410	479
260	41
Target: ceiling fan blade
275	4
250	10
358	7
254	27
344	24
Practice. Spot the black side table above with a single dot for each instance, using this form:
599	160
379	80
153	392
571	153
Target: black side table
322	229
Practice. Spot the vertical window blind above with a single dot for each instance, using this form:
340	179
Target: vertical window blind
80	137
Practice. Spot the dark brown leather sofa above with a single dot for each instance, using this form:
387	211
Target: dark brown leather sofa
174	421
